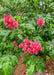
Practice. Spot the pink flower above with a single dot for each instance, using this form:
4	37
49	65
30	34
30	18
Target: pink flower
10	23
40	22
15	44
30	46
30	50
19	13
26	41
24	49
36	51
40	48
21	45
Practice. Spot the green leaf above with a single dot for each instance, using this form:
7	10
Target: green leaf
53	32
27	58
47	58
40	65
1	72
7	1
13	59
30	62
4	34
6	63
45	1
51	53
7	68
30	69
33	61
35	3
18	19
0	65
20	36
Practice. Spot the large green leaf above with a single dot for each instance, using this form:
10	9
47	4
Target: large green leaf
39	64
7	68
30	69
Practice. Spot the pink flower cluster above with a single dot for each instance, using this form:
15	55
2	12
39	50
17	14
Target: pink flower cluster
30	46
9	22
19	13
40	22
15	44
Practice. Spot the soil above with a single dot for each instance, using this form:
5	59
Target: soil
20	69
50	65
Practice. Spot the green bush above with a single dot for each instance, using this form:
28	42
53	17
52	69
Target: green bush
30	10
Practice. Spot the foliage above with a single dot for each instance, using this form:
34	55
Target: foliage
34	62
6	63
30	11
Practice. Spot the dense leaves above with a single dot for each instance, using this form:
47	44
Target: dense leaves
7	68
27	15
6	63
51	53
33	62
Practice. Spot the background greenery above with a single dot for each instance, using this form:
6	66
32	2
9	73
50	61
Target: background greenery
31	10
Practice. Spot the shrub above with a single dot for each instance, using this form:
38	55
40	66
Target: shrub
27	24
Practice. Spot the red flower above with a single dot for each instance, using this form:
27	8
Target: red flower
15	44
21	45
26	41
10	23
30	46
40	22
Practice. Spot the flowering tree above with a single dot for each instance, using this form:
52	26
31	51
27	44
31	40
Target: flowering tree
26	26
